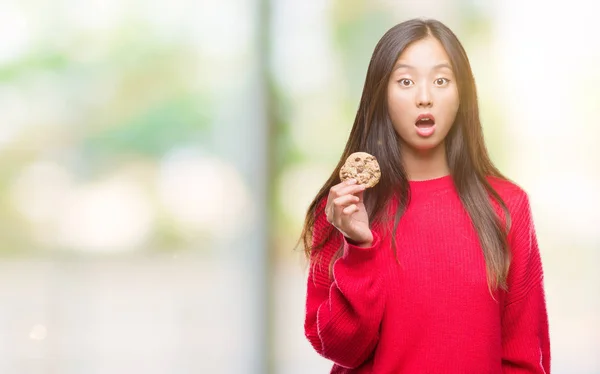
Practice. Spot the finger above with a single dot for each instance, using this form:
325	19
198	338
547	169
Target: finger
341	185
345	200
349	190
342	213
348	182
329	211
346	216
338	206
350	209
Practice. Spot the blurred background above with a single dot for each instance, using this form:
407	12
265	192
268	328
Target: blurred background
157	158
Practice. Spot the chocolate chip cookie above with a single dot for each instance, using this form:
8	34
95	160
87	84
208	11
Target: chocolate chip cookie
363	167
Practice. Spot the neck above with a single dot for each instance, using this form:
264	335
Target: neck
424	165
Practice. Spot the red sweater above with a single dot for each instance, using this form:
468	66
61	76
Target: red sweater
433	312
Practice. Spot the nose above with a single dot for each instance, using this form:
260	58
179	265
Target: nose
424	99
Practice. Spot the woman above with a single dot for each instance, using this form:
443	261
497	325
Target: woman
436	269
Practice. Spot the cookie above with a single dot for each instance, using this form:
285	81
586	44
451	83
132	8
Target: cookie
363	167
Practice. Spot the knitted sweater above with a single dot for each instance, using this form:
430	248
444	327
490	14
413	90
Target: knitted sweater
431	312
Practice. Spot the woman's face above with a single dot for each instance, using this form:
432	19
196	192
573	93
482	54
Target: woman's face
422	95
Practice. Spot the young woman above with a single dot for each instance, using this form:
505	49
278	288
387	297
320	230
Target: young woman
436	269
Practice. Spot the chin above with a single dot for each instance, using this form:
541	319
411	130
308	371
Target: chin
425	145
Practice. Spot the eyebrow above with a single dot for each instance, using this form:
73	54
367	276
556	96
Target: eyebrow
438	66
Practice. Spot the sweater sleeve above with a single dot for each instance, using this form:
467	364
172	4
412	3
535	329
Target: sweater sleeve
344	311
525	335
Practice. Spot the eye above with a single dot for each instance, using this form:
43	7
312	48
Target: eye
441	81
405	82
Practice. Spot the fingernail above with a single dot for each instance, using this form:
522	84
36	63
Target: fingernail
351	181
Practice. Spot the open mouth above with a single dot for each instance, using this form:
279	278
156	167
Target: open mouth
425	124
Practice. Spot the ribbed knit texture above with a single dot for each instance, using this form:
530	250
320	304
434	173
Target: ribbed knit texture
433	312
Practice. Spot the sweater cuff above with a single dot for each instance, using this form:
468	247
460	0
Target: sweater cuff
354	253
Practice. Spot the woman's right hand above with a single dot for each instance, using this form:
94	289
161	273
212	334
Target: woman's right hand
346	211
